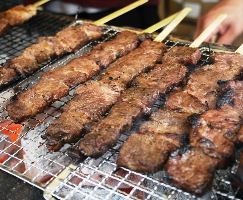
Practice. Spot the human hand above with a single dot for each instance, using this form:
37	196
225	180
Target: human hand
230	28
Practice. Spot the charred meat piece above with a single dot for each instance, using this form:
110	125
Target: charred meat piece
182	55
212	139
216	134
163	77
55	83
203	83
191	170
232	95
232	59
16	16
217	130
7	76
33	101
130	67
149	150
105	53
232	99
166	121
181	101
19	14
167	126
65	41
93	99
145	152
133	103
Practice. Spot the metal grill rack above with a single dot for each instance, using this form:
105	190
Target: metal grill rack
23	153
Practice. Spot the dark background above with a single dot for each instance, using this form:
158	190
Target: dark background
12	188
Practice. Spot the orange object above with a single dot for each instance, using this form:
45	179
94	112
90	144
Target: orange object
11	129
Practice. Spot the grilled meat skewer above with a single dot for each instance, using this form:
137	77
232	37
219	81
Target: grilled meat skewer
136	152
180	104
137	101
212	140
16	16
56	83
68	40
133	103
91	100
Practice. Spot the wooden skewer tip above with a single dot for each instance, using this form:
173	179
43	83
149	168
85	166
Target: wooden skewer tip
203	36
39	3
240	50
182	14
160	24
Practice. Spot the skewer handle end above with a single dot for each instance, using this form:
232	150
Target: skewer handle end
39	3
203	36
240	50
182	14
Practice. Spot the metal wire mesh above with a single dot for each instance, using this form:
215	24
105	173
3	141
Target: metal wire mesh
23	153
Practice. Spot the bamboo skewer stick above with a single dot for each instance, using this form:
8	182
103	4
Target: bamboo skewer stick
173	24
203	36
160	24
39	3
119	12
240	50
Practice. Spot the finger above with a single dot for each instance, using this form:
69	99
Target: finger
228	37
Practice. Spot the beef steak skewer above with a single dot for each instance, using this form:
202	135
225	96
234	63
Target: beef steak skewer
212	139
137	100
65	41
170	124
91	100
68	40
56	83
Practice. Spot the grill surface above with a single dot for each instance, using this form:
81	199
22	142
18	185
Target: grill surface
23	152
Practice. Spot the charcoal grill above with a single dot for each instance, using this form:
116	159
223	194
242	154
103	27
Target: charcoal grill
23	152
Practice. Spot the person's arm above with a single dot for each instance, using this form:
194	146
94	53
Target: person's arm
230	28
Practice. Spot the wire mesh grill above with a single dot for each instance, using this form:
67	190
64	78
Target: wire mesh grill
23	152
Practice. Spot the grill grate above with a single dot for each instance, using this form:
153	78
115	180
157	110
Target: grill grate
23	152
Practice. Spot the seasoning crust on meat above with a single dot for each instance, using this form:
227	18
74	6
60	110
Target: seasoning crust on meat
92	100
68	40
166	128
56	83
134	102
213	134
